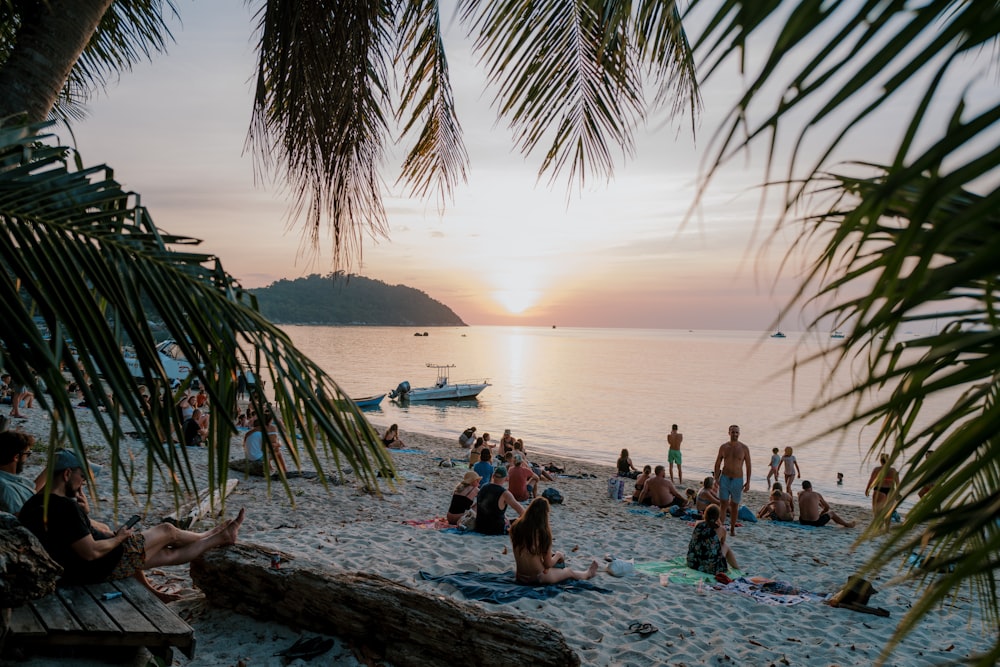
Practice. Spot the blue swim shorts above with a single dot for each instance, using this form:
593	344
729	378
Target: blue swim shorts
730	488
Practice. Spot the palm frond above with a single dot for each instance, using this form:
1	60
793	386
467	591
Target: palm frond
438	156
83	257
320	111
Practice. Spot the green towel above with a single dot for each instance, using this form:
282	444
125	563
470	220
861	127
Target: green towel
679	571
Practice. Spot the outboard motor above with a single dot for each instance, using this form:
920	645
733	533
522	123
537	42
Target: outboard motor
401	390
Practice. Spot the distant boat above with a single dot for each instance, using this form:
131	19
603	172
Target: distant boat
443	388
778	334
368	402
837	334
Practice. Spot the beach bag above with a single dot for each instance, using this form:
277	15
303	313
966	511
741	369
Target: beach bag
621	568
468	520
553	496
616	488
746	514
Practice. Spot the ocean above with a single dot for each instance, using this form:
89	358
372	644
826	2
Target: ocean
589	393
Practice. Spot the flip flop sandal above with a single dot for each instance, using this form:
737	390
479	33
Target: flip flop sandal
642	629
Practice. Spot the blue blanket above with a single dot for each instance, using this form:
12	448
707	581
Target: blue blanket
500	588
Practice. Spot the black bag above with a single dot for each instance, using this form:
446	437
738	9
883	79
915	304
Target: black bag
552	495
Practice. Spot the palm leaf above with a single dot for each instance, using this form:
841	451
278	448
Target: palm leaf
84	258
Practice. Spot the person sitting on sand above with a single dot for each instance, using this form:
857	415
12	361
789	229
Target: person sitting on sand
640	481
707	495
492	504
391	438
660	491
468	437
521	481
531	539
625	467
813	510
707	550
506	442
66	534
463	497
776	509
253	441
786	496
193	432
484	468
539	471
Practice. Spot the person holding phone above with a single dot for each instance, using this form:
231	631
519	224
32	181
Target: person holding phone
89	556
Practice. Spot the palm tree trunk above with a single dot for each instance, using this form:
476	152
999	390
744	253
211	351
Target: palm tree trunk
48	44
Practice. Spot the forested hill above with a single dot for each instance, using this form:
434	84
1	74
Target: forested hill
339	299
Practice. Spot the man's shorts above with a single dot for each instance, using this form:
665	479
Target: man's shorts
821	521
674	456
730	488
133	557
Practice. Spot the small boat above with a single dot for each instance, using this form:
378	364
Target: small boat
443	388
837	334
368	402
778	334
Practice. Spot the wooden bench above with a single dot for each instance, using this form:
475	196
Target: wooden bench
79	616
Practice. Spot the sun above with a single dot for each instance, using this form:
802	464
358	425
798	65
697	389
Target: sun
516	301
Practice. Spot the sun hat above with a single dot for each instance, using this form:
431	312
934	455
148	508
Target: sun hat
471	477
65	460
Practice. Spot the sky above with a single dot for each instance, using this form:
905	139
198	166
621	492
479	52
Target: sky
509	249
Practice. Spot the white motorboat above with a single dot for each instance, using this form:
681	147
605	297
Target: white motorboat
443	388
175	364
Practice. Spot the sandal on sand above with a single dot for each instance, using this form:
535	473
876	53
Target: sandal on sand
642	629
307	648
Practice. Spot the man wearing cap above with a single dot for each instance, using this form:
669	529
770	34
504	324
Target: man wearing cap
521	480
492	504
15	489
88	555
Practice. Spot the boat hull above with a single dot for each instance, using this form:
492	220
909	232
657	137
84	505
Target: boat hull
447	392
368	402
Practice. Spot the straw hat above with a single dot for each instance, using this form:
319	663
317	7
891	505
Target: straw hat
471	478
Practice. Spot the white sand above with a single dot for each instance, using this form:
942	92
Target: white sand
352	530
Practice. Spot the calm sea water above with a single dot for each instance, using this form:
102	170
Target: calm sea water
588	393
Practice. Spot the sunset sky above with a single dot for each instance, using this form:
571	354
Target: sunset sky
507	250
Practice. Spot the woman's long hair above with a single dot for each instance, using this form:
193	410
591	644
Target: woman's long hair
531	531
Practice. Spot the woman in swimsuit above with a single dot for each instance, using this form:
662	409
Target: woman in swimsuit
885	476
625	467
463	497
531	537
391	438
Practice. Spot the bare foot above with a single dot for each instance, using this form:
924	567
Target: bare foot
591	571
232	529
851	524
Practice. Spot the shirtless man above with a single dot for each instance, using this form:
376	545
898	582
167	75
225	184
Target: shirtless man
661	491
733	455
813	510
674	439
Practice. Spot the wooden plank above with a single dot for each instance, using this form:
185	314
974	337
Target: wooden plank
122	611
54	614
170	628
80	601
23	622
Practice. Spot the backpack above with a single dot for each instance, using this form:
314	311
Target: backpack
552	495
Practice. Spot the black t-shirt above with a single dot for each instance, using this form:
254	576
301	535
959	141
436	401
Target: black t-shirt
489	516
67	524
192	433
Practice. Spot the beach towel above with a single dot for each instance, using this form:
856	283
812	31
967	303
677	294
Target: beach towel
791	524
642	509
501	588
772	593
407	451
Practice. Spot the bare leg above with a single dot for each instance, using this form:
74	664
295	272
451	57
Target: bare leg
168	554
836	519
680	474
555	575
730	557
734	511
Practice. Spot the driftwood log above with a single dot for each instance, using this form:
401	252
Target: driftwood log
27	572
404	626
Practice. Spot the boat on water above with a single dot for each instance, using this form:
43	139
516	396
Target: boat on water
778	334
368	402
837	334
172	358
443	388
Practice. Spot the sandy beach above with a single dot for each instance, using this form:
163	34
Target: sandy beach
351	530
